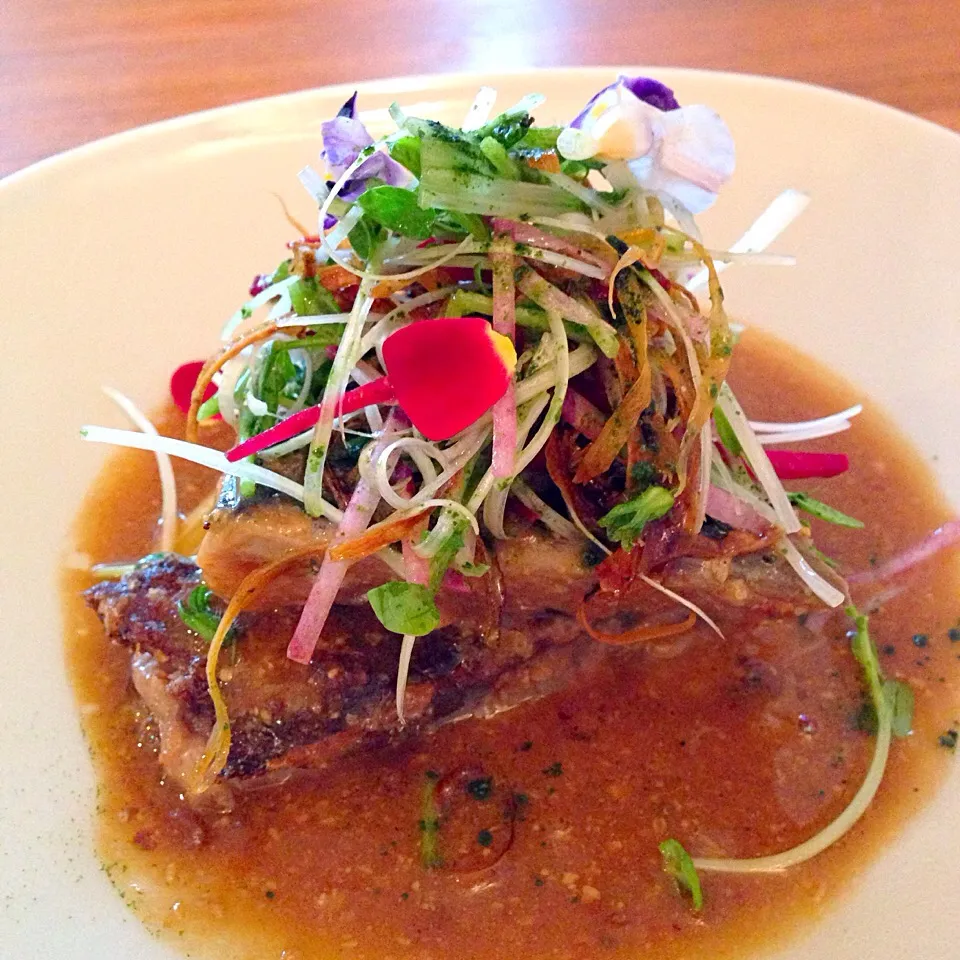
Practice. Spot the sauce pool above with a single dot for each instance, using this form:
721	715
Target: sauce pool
736	748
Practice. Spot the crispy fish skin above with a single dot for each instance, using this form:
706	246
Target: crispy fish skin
286	714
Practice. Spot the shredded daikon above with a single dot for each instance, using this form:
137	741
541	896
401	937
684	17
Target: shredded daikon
758	460
169	518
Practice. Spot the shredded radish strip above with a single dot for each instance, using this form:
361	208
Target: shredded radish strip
549	517
403	668
332	394
562	378
758	460
264	296
495	503
364	373
423	453
530	418
341	231
765	426
943	537
322	319
479	111
356	518
581	414
728	508
168	485
505	323
543	240
684	602
706	456
415	568
397	318
456	456
206	457
474	255
829	594
777	862
796	436
550	298
456	507
314	184
763	231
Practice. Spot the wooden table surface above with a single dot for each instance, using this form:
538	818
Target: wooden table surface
75	70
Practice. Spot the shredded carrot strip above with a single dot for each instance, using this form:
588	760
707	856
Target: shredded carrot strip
377	537
636	634
385	288
217	750
548	160
226	353
678	373
335	277
616	431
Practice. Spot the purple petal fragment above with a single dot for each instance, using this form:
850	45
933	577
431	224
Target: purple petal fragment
651	91
379	165
343	139
647	89
349	109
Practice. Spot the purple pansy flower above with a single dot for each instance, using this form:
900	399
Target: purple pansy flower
647	89
344	139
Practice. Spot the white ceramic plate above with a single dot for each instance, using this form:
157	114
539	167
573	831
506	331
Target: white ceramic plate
119	260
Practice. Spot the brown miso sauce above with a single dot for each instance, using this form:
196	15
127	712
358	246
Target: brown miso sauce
736	748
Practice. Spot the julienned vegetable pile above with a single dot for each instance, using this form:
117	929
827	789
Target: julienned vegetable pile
494	321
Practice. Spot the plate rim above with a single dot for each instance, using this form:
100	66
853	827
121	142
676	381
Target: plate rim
424	81
138	138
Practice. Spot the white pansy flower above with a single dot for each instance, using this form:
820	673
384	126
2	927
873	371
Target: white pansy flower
685	154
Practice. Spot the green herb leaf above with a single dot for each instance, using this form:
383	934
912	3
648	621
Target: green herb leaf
821	510
677	862
406	608
508	128
209	408
892	700
468	223
865	651
442	559
626	521
539	139
406	151
899	696
725	432
397	209
310	298
365	236
430	824
195	612
485	838
503	163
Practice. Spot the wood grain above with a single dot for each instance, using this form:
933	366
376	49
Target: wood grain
75	70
